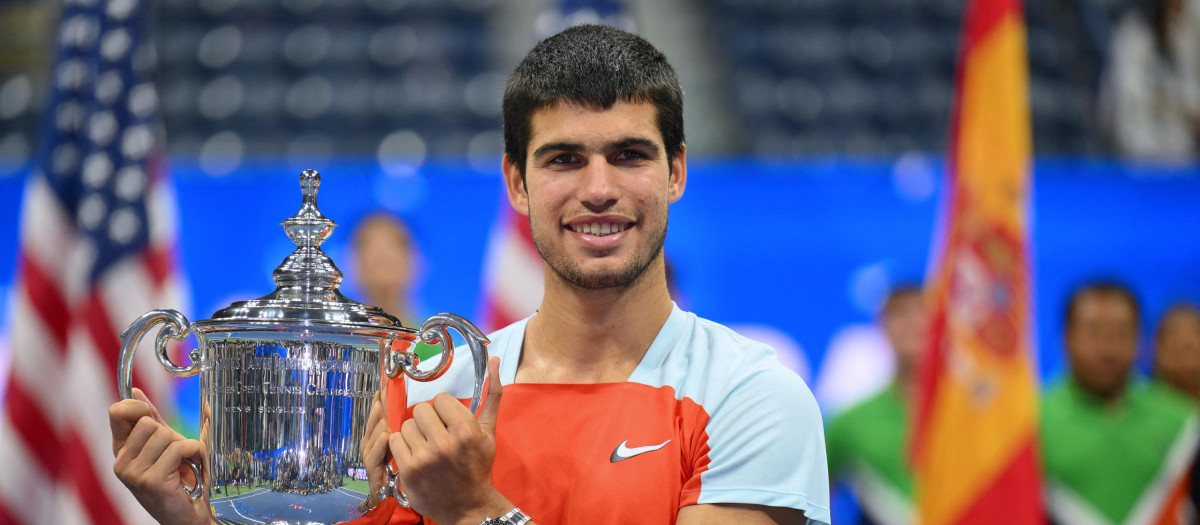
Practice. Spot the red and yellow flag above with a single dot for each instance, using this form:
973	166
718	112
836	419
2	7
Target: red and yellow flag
975	442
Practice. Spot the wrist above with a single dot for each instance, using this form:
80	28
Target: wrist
490	508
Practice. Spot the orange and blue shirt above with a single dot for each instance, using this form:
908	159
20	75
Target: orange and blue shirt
707	417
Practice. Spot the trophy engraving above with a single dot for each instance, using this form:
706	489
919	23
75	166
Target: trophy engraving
287	381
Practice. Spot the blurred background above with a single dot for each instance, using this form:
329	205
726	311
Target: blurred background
816	133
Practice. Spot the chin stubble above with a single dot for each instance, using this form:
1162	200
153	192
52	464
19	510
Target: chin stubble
571	272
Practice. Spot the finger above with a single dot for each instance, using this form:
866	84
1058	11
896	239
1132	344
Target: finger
377	449
205	421
491	405
377	412
122	417
171	460
430	423
132	447
453	412
401	451
141	396
153	450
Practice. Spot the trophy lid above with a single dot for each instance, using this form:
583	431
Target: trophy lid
307	281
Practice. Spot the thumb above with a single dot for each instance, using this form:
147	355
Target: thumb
491	405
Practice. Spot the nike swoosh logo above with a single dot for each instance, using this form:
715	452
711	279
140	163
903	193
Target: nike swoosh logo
623	452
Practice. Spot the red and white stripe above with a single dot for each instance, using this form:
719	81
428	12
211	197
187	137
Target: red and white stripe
55	444
515	272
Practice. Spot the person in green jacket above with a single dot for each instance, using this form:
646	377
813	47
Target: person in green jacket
867	443
1115	450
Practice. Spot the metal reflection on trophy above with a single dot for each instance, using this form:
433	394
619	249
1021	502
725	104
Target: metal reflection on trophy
287	381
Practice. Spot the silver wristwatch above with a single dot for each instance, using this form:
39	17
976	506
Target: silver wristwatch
512	517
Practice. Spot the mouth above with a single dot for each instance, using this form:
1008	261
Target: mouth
600	228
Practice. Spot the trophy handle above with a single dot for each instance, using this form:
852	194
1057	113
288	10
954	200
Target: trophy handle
177	327
436	330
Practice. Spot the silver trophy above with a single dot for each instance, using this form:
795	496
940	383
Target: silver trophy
287	381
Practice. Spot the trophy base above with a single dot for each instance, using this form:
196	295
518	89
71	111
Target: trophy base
260	506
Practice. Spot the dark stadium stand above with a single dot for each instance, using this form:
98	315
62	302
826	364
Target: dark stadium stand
326	75
876	77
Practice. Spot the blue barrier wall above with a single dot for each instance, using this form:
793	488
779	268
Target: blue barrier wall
804	247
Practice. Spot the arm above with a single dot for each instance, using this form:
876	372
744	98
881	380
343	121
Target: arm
716	514
766	458
149	461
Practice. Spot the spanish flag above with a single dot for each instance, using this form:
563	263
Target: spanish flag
975	442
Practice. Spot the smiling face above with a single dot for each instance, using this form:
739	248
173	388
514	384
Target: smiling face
596	189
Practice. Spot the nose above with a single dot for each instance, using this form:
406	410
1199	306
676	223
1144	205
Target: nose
598	188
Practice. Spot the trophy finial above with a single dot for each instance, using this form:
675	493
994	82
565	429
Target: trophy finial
309	226
308	267
310	180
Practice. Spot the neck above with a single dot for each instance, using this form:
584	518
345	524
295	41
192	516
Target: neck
1185	384
594	336
906	381
1107	398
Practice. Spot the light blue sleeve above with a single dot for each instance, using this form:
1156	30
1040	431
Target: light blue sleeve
767	446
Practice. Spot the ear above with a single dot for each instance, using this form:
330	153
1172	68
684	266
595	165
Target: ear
518	195
678	176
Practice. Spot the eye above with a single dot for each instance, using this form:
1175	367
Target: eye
630	155
565	158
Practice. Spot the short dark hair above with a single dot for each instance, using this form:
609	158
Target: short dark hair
899	293
1110	288
1176	310
591	65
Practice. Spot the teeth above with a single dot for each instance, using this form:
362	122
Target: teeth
598	229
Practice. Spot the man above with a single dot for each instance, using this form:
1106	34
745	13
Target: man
618	407
1177	351
1114	452
868	442
386	262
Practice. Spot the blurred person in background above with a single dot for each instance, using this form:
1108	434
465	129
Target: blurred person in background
386	260
386	263
1177	351
1113	449
1150	98
867	444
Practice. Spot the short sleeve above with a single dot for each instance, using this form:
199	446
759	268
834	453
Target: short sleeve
766	446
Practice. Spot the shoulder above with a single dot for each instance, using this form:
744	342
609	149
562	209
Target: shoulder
1163	401
878	404
1056	398
710	364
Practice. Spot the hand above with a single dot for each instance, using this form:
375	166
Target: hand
375	449
444	457
150	462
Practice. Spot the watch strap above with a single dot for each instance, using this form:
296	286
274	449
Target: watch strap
512	517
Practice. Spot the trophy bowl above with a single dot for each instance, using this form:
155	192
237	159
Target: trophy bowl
287	382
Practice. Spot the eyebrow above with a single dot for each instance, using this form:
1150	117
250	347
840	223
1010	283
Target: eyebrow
636	142
574	147
557	146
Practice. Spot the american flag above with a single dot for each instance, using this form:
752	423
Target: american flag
97	238
514	283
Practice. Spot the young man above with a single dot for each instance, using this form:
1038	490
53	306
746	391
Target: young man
868	442
1114	450
618	407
